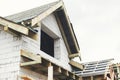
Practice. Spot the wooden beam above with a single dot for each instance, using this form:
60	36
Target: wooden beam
29	63
74	55
30	55
26	78
13	32
14	26
76	64
46	13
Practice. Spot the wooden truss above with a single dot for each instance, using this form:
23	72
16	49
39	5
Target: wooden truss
39	64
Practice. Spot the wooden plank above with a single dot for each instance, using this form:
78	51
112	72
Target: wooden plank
7	29
46	13
30	55
26	78
50	72
76	64
74	55
29	63
14	26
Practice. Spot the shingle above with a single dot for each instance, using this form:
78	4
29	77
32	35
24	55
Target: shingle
29	14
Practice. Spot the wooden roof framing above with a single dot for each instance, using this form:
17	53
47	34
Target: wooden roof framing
34	16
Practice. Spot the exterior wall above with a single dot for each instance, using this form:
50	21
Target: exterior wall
62	55
9	56
11	46
32	75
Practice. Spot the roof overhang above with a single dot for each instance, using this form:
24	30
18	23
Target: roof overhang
19	28
64	22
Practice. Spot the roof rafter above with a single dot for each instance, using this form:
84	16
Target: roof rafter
46	13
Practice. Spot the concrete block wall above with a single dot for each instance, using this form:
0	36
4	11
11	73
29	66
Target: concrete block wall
9	56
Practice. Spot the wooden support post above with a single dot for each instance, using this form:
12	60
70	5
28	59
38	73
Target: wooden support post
26	78
91	77
30	63
74	55
50	72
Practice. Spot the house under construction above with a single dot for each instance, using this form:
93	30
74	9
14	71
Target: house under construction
40	44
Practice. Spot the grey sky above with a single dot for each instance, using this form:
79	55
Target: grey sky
96	24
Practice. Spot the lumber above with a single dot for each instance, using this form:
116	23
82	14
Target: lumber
29	63
74	55
76	64
14	26
30	55
26	78
7	29
50	72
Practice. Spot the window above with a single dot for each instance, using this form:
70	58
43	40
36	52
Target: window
47	44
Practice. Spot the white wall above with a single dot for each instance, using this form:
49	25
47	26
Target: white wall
9	56
51	23
61	57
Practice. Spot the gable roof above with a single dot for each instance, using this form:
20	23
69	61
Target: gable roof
37	14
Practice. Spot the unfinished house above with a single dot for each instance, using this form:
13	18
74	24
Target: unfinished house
117	70
38	44
95	70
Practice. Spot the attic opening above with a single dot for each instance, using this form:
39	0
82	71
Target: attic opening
50	42
47	44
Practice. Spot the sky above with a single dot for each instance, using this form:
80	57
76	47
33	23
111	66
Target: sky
96	24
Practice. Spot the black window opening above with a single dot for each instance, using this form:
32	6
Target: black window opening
47	44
